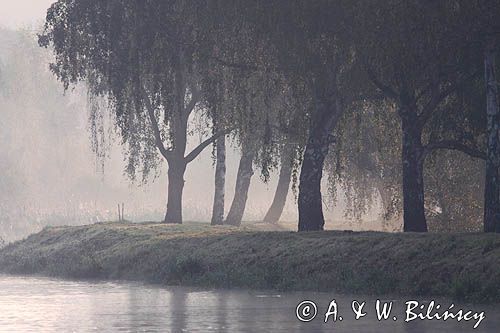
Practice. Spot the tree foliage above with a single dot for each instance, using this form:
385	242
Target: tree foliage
372	87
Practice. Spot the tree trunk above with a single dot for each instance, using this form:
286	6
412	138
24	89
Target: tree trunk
413	175
492	186
310	202
220	182
245	173
274	213
176	169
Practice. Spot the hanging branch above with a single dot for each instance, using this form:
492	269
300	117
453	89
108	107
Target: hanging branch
154	124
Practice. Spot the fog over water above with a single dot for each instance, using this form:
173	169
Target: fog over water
51	176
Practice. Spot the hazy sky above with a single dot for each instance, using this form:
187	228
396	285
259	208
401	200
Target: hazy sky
19	13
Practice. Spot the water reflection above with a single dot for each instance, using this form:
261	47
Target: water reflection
49	305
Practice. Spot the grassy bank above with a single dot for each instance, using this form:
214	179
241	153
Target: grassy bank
462	266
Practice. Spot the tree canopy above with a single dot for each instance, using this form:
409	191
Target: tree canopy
366	89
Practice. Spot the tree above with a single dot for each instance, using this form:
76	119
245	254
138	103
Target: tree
142	57
310	45
481	21
364	167
253	118
243	177
249	92
289	138
454	191
220	181
420	66
243	93
284	179
312	49
492	188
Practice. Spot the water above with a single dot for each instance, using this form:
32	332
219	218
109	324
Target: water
30	304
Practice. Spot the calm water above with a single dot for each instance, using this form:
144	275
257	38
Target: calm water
49	305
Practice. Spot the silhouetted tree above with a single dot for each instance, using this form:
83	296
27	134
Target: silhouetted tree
142	57
420	66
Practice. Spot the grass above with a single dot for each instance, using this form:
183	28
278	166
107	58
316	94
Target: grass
461	266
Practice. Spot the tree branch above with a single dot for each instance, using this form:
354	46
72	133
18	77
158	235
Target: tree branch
439	97
154	124
454	145
385	89
196	151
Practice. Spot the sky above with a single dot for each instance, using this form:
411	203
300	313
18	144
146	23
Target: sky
23	13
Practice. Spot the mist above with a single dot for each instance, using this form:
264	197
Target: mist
52	176
249	166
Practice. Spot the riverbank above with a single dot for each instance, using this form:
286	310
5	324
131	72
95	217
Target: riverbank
461	266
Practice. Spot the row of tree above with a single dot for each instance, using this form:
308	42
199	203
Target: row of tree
288	81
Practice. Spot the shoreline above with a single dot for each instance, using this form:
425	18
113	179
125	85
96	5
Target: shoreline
464	267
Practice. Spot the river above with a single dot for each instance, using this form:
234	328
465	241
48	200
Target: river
32	304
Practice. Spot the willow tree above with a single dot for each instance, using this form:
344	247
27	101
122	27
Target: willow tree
312	48
308	43
249	93
256	108
142	57
269	131
364	167
492	190
420	66
454	192
488	33
289	134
